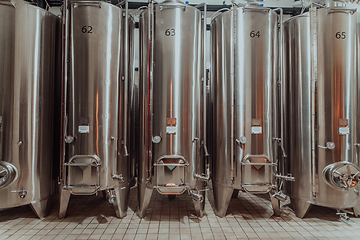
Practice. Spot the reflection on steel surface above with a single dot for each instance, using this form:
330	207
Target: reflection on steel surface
321	110
171	147
99	80
27	74
243	103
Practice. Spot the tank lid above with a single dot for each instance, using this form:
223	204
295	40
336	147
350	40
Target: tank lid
173	1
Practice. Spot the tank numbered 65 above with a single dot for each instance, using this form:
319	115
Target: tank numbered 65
340	35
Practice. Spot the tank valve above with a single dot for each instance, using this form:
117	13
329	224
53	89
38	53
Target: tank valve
330	145
196	196
22	194
202	177
69	139
280	196
343	215
110	196
118	177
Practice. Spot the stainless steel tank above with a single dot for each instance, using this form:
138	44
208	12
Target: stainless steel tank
97	97
171	150
320	109
27	73
244	74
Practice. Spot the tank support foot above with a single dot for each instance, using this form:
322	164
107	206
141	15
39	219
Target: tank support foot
144	197
40	208
222	197
64	201
122	200
356	211
200	205
300	207
275	204
235	193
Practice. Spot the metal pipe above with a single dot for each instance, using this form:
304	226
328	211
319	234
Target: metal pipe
150	69
196	196
282	87
215	14
126	74
313	47
65	36
204	77
232	88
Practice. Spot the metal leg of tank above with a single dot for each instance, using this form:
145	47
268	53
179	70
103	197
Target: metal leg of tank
122	200
144	197
275	204
235	193
200	205
64	201
300	207
356	211
222	197
40	208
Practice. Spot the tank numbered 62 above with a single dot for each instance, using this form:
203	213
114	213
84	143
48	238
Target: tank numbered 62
86	29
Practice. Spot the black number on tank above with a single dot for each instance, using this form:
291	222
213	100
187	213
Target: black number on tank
254	34
86	29
340	35
170	32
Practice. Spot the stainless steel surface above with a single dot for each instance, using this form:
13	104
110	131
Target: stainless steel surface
320	119
27	73
243	97
98	83
171	102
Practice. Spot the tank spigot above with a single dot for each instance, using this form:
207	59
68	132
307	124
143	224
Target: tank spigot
343	215
110	196
118	177
196	196
22	194
280	196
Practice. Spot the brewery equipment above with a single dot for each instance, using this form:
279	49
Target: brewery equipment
320	103
171	106
27	73
243	96
97	86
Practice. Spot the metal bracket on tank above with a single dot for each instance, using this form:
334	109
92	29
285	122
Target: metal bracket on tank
81	162
8	3
118	177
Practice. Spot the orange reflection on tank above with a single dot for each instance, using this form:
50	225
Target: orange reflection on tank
353	183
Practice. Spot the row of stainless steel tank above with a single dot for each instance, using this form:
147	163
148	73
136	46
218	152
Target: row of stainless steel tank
278	115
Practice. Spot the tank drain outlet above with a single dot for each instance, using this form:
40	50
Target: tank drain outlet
110	196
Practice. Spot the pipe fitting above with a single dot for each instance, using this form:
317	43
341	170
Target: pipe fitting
110	196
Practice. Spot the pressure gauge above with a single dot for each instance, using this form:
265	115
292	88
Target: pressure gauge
242	139
69	139
156	139
330	145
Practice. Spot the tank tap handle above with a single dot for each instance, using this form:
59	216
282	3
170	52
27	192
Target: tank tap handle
280	142
289	178
202	177
206	151
196	139
126	151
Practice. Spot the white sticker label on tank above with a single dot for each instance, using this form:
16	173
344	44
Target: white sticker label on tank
344	130
84	129
170	130
256	130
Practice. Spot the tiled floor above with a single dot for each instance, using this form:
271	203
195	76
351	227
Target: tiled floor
249	217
